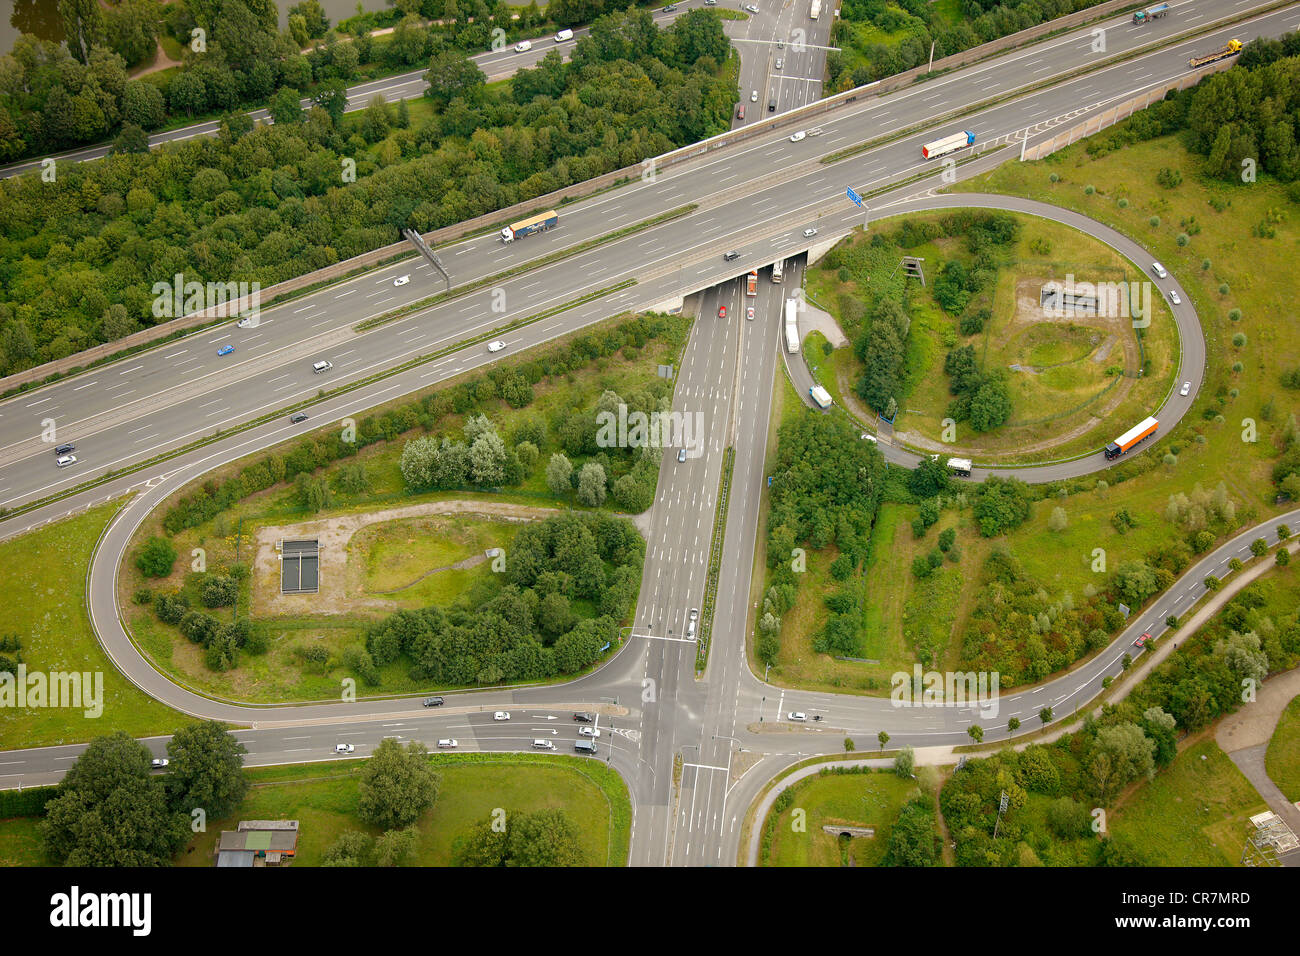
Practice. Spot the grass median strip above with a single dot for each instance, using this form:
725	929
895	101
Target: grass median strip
715	560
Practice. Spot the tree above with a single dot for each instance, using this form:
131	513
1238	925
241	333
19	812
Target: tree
452	74
219	590
487	460
396	847
883	738
591	485
537	839
904	762
132	29
206	770
991	406
1058	520
914	839
109	810
559	475
976	733
143	105
1013	724
397	785
1135	581
156	558
1001	504
352	848
1045	715
83	26
286	106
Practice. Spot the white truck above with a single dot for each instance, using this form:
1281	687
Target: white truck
815	11
791	325
820	396
949	144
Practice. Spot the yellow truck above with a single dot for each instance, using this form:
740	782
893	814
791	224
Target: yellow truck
1231	48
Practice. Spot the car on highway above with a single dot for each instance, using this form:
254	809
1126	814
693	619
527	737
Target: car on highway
753	96
722	311
1159	270
433	702
669	8
247	322
563	35
225	350
448	743
496	346
1173	297
681	454
1142	641
691	621
749	313
730	256
809	232
795	137
815	131
588	732
63	461
797	715
319	367
740	111
710	3
583	717
543	745
751	8
64	449
157	763
780	44
501	715
1186	389
401	280
779	63
297	418
344	748
523	46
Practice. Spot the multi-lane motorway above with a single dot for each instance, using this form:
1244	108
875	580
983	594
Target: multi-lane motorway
756	196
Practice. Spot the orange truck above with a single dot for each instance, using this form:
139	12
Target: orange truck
751	288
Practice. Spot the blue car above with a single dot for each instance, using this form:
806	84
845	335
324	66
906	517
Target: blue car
225	350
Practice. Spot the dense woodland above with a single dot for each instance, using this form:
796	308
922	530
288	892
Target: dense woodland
79	257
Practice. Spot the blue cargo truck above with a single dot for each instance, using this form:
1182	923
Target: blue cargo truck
526	227
1150	13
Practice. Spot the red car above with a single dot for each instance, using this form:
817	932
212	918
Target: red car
1142	641
722	311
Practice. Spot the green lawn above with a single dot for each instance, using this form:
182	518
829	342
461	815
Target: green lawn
43	579
1195	813
1282	762
20	844
853	799
323	797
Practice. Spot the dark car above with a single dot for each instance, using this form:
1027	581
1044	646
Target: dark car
433	702
64	449
728	256
584	718
297	417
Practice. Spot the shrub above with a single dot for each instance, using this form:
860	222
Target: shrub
156	558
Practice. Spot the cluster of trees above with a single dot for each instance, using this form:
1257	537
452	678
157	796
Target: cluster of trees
882	347
1286	470
983	399
11	655
1248	112
826	489
308	454
398	784
923	23
222	641
1001	505
274	202
1052	790
110	810
540	838
1203	680
534	627
1017	629
481	460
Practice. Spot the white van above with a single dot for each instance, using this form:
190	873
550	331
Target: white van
523	46
543	745
322	367
447	743
563	35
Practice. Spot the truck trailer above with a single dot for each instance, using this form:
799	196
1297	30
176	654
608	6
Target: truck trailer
815	10
1134	436
778	269
1151	13
960	466
751	283
791	325
526	227
1231	48
948	144
820	396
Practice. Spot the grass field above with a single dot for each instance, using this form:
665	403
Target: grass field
1195	813
43	580
851	799
390	557
323	798
1282	761
1062	372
